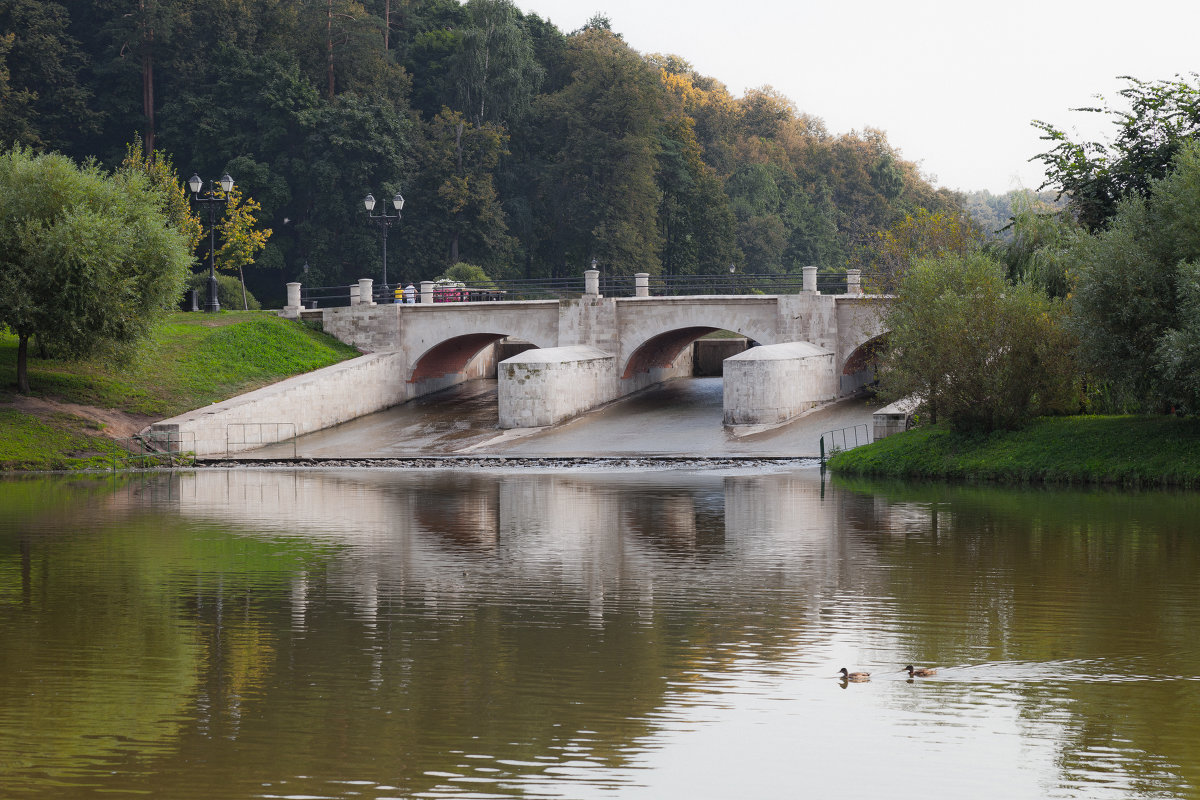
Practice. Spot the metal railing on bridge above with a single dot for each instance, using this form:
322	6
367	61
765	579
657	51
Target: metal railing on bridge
832	282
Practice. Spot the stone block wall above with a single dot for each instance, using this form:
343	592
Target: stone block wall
771	384
541	387
372	329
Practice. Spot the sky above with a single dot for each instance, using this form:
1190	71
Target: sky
955	85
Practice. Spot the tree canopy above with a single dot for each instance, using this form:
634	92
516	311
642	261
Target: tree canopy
87	257
979	352
518	146
1136	302
1154	121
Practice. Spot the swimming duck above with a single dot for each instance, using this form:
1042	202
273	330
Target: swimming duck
920	672
854	677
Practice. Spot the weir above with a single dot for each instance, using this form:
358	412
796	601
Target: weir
583	352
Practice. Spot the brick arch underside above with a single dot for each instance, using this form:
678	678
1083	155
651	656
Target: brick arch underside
451	356
661	350
865	355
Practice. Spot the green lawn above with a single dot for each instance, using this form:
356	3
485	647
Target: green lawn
190	361
1126	450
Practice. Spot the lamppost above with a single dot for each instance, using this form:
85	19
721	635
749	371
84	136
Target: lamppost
384	220
732	279
211	199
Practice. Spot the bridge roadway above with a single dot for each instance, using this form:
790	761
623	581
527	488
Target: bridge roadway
586	352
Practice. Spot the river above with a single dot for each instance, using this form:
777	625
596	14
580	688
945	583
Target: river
593	633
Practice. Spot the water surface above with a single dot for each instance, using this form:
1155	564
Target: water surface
587	634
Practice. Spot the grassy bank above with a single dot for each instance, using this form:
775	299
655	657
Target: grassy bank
192	360
1133	451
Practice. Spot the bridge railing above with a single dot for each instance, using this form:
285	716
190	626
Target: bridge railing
831	282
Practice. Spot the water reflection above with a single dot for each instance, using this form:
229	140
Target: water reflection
576	634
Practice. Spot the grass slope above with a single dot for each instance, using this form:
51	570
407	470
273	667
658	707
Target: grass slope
1126	450
188	362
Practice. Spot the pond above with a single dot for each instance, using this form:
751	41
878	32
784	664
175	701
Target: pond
587	632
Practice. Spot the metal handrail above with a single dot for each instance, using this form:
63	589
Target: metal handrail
833	437
155	449
260	441
609	285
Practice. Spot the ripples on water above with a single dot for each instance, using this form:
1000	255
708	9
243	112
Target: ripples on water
656	634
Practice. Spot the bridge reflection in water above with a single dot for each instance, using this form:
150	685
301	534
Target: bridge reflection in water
587	632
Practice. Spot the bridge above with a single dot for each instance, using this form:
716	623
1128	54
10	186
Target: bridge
583	352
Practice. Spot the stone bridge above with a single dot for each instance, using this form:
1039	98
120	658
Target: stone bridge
586	351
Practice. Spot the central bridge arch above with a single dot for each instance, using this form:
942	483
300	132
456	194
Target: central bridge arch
654	331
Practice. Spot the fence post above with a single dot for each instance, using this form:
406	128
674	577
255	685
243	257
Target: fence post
641	284
426	291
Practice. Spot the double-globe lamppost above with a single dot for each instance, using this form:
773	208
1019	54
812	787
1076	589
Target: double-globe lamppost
384	220
211	200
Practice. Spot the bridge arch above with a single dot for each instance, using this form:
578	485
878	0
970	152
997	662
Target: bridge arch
451	356
440	341
655	331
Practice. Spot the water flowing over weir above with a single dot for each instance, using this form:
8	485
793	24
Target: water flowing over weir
682	418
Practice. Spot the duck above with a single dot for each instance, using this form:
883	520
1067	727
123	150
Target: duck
854	677
920	672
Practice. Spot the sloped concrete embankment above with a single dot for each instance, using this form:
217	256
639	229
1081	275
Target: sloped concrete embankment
293	407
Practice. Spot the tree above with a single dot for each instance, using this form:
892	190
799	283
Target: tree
1040	238
1096	177
459	210
600	189
496	72
240	242
87	258
1136	297
43	100
924	234
980	353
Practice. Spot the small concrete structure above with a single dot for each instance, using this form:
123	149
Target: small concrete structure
543	387
769	385
894	418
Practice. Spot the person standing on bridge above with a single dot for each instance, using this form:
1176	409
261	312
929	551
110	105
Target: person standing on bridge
410	294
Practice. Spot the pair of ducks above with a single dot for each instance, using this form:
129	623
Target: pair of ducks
863	677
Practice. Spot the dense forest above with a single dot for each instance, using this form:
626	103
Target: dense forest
520	148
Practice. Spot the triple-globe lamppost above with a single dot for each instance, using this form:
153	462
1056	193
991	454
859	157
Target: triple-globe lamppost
384	220
211	199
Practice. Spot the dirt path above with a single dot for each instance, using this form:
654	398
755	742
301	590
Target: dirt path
108	422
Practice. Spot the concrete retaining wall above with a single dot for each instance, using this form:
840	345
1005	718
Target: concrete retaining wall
708	355
771	384
299	405
542	387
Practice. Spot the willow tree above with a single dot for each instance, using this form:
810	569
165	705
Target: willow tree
87	258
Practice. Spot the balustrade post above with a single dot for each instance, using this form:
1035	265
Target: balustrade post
365	287
292	309
641	284
854	281
426	291
591	282
810	279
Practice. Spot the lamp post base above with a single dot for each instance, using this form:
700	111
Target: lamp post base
212	305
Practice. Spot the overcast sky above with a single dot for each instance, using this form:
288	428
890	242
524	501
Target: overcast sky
954	84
